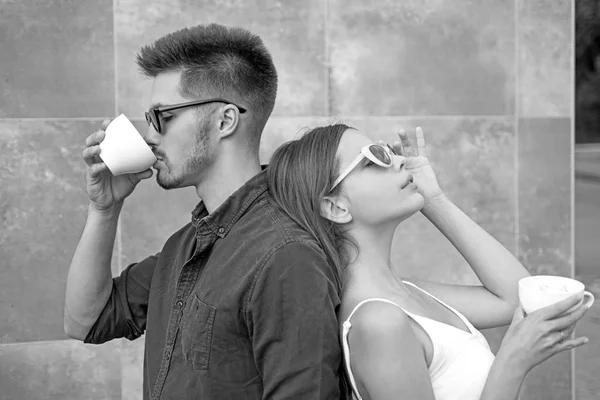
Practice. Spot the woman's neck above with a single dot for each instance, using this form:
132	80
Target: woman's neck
372	264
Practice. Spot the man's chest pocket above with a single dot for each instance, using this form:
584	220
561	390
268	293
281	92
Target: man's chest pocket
196	332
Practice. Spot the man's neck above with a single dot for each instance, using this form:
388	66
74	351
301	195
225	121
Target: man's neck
224	179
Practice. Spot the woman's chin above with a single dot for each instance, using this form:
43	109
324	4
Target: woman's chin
411	206
419	201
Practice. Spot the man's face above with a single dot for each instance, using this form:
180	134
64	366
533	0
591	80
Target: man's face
182	148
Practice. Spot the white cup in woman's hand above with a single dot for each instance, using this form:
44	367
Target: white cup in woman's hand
123	149
539	291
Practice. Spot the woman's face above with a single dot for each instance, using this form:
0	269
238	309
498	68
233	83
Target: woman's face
376	195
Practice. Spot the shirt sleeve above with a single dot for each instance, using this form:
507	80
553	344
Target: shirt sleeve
125	312
294	328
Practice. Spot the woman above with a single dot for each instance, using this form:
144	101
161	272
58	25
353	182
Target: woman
411	339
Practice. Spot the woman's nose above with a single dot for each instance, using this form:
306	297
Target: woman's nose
398	162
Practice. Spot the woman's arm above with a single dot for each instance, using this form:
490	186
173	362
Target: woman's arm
497	269
503	382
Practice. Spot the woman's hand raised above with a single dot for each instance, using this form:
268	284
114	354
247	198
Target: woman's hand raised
418	165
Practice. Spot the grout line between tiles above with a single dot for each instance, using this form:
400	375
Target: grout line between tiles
381	117
420	117
37	342
51	119
327	58
517	180
516	120
115	68
572	153
116	111
585	148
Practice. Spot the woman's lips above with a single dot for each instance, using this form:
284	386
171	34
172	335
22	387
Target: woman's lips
408	182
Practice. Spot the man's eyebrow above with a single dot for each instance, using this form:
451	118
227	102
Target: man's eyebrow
156	105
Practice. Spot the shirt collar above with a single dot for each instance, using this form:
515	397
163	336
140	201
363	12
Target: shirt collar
232	209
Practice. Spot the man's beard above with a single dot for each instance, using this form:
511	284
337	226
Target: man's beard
195	160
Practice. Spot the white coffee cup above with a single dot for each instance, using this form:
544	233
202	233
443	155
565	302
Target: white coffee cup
123	149
539	291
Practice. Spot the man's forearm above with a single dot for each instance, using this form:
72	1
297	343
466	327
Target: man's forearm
89	282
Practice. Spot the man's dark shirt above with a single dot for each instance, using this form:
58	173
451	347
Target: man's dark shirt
239	304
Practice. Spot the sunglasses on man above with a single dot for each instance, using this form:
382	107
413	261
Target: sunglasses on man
378	154
154	115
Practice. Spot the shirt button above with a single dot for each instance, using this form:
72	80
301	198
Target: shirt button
179	303
168	353
221	230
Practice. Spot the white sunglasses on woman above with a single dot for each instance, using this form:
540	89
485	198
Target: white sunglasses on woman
378	154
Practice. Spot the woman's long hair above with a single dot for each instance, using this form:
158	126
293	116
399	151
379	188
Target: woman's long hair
300	175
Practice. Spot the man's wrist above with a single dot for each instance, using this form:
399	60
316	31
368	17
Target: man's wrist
111	213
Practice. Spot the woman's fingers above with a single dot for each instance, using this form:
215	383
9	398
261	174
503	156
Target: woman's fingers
566	321
554	310
566	333
406	146
397	146
570	344
422	151
518	315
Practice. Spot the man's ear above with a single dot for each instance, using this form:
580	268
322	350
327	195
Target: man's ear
336	209
228	121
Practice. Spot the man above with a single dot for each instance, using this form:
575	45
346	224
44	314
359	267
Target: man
240	303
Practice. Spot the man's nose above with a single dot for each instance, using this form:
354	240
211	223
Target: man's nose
151	137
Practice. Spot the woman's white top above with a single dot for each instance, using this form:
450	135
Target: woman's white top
461	360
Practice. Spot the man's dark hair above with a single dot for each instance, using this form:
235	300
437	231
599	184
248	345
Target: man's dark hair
218	61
